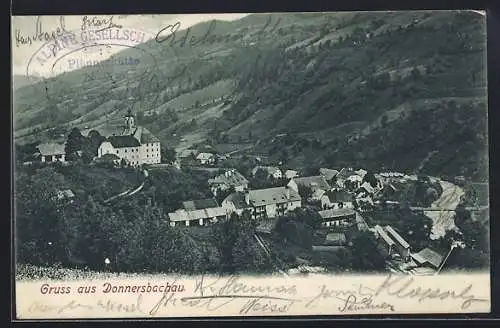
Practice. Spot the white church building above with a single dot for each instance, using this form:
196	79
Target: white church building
135	144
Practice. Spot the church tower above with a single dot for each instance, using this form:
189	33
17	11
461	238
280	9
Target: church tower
129	121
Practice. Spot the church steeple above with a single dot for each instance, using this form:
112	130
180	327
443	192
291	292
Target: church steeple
129	120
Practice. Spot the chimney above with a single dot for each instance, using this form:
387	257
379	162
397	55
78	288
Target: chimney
287	192
247	198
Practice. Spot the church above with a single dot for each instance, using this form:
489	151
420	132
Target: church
135	144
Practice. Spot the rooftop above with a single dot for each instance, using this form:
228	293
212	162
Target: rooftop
198	204
123	141
381	232
269	169
429	256
290	174
203	156
397	236
337	196
238	199
275	195
316	181
207	213
345	173
328	173
49	149
230	178
336	213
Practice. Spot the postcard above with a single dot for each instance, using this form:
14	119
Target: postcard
249	165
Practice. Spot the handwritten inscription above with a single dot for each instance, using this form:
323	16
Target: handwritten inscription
40	35
97	22
252	298
106	305
326	293
404	287
354	303
216	294
171	34
266	305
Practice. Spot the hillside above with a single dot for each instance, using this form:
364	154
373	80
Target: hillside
348	88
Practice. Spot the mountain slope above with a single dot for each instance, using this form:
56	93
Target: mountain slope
346	87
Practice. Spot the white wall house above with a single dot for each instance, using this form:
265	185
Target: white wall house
136	145
52	152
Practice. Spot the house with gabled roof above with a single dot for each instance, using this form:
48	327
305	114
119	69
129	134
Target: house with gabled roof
51	152
272	202
401	245
337	199
198	217
340	217
386	242
264	203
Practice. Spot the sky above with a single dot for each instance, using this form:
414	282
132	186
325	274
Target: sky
27	26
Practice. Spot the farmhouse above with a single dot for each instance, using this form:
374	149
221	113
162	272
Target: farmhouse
135	144
341	217
200	217
336	199
51	152
230	178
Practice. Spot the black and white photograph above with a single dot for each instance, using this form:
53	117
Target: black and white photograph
265	145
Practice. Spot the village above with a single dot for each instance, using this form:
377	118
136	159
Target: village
339	197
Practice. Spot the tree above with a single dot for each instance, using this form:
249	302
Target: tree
95	140
224	237
168	155
74	143
365	256
38	217
305	192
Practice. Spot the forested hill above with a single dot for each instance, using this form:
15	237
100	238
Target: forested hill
399	90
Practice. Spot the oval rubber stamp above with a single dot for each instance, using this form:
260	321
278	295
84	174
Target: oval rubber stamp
114	54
